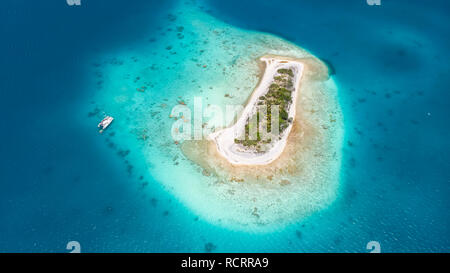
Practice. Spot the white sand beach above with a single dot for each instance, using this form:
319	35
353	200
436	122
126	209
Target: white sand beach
224	139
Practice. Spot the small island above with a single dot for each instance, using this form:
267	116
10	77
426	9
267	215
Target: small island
258	183
255	139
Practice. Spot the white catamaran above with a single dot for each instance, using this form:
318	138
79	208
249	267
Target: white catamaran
105	123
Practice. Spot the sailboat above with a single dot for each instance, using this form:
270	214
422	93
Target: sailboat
105	123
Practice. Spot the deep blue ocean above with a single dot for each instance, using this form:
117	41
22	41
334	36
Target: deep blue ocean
59	182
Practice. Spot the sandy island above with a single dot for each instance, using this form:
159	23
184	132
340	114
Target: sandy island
224	139
309	140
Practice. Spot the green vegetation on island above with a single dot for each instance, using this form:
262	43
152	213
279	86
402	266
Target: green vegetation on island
280	94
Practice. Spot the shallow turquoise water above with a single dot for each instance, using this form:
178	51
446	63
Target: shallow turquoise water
61	181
